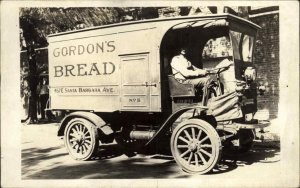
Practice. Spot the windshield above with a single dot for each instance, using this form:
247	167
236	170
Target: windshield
217	48
242	45
218	52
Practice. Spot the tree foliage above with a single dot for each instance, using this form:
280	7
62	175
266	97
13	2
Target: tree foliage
40	22
37	23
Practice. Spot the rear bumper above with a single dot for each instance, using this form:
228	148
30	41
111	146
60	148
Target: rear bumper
259	125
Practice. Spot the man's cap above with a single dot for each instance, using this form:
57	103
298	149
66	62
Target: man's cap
183	49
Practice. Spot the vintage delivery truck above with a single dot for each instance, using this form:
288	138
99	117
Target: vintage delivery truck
116	84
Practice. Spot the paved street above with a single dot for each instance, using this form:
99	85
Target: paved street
44	157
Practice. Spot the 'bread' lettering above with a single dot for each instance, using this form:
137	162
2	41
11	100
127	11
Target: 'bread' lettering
93	69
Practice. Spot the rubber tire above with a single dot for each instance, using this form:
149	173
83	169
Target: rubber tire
214	137
94	138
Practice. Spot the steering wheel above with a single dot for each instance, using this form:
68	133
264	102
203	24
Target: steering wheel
218	70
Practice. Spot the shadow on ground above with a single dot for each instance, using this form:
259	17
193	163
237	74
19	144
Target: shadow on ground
33	156
111	163
256	155
107	164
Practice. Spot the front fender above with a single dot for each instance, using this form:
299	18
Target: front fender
95	119
172	118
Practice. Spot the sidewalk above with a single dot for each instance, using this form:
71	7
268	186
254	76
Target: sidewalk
269	136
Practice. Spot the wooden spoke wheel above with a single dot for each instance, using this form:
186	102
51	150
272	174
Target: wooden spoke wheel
81	139
196	146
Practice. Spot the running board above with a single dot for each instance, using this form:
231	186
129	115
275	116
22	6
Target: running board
259	125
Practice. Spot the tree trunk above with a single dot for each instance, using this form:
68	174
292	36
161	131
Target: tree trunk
30	36
33	81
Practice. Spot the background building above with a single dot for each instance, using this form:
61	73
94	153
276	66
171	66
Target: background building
266	58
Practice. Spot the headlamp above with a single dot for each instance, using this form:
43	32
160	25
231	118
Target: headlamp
250	74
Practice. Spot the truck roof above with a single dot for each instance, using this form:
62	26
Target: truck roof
230	17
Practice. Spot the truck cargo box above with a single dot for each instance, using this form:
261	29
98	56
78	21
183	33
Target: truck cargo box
106	69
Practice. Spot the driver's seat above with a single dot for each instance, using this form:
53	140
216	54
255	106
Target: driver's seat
178	89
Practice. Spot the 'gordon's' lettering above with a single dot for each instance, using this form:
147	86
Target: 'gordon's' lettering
80	49
56	52
92	48
64	51
111	46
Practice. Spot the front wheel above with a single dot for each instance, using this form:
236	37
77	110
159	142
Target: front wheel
196	146
81	139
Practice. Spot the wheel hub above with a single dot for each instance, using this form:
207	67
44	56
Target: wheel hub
193	145
80	139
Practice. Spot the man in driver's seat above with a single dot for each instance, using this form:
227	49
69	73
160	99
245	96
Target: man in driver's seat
185	73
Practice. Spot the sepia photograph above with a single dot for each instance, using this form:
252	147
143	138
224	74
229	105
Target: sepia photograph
167	94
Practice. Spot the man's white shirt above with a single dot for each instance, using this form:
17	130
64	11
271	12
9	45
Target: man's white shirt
180	67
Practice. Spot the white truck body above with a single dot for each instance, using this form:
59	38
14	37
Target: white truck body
106	69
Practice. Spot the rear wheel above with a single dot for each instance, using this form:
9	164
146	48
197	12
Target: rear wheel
81	139
196	146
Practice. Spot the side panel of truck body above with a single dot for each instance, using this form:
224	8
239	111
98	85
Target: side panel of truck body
106	70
